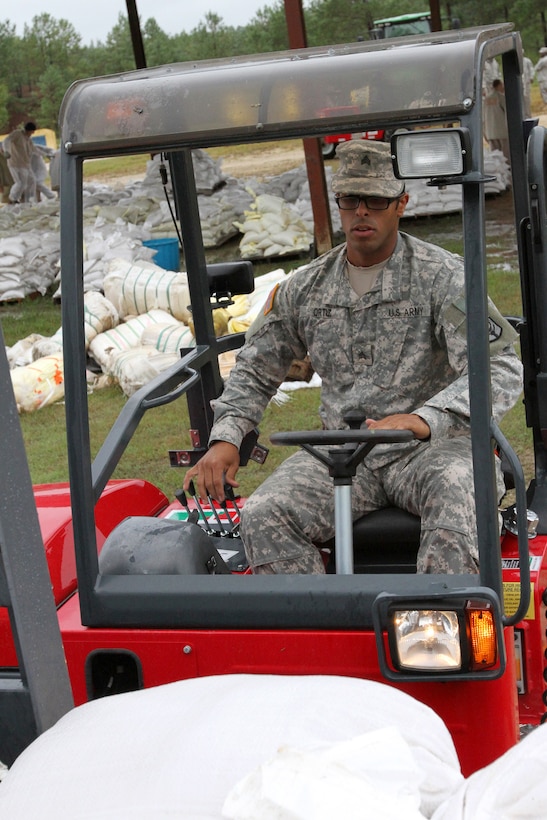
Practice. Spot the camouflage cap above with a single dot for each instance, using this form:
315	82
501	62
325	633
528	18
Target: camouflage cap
366	168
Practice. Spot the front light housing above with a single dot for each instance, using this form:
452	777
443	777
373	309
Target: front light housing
435	153
449	636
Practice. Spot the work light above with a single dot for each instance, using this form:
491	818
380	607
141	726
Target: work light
432	153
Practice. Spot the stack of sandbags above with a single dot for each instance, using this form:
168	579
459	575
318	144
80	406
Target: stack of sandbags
273	227
28	264
137	288
106	347
36	363
429	200
12	252
154	306
104	243
496	165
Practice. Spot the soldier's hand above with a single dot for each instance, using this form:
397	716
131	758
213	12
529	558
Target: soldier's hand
402	421
216	468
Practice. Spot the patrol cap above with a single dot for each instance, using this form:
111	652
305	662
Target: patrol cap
366	168
543	50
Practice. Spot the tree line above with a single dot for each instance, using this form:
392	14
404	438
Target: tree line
49	55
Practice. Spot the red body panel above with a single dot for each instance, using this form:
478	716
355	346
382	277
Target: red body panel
170	655
530	635
120	498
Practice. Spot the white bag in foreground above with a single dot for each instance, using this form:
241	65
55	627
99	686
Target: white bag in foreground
510	788
176	751
375	770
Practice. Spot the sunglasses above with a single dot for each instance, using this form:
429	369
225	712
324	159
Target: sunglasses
350	202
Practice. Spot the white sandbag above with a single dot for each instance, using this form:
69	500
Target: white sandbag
105	346
47	347
510	788
134	289
263	287
375	770
134	368
20	354
168	338
176	751
12	246
39	383
99	315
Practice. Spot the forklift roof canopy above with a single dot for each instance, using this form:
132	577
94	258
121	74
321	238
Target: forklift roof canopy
282	94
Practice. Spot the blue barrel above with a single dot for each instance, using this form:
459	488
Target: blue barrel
166	252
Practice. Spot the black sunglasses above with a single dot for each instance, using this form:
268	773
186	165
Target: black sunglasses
350	202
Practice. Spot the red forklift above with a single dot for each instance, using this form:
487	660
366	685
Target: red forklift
183	605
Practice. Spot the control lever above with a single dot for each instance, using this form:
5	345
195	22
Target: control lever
193	515
196	501
229	494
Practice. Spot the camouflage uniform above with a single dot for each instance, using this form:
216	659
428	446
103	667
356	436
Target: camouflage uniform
401	348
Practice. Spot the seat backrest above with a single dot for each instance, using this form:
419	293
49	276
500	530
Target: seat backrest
384	541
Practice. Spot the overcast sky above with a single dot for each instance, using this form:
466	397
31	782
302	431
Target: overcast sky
93	19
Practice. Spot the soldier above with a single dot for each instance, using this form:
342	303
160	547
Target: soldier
541	73
383	320
18	150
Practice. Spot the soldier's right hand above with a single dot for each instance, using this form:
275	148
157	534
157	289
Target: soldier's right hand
216	468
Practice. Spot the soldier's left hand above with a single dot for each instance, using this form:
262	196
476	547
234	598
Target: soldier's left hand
402	421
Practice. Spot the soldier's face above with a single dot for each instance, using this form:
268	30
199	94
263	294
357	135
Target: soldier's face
372	235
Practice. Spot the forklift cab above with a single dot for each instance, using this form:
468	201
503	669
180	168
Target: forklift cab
163	626
427	82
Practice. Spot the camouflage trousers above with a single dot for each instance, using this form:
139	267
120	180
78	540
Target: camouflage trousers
293	510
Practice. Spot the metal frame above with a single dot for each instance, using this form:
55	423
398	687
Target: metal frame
147	113
37	694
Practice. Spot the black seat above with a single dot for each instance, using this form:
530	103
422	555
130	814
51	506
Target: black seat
385	540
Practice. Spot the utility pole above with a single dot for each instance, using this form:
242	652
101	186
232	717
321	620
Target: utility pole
312	147
435	9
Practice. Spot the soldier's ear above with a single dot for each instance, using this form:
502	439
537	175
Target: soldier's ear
401	204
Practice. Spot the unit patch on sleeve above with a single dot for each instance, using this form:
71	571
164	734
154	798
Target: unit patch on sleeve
269	303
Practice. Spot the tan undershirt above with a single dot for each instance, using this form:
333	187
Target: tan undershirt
362	279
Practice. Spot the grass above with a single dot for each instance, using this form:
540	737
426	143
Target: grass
115	166
167	427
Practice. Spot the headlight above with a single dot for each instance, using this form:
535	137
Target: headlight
431	153
456	635
427	639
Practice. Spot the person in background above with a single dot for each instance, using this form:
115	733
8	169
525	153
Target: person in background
55	172
495	121
383	318
541	73
40	171
491	72
6	179
528	74
18	147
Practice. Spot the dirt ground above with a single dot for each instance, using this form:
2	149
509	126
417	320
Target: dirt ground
269	162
